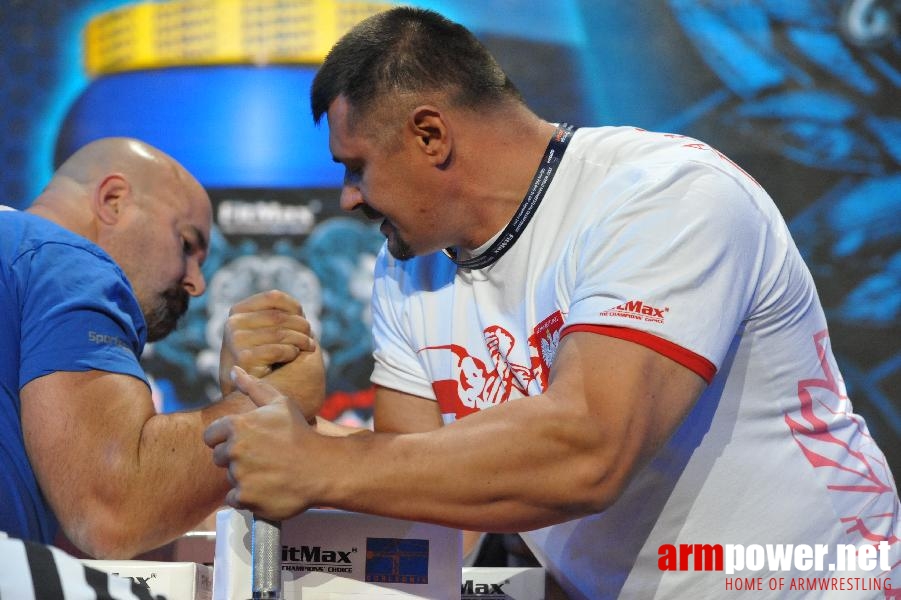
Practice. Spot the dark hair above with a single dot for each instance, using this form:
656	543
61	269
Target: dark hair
409	50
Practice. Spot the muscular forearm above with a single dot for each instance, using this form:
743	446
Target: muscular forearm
511	468
160	482
154	492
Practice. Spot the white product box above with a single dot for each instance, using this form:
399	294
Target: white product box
173	580
338	555
502	583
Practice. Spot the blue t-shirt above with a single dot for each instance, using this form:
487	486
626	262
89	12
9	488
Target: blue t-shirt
64	306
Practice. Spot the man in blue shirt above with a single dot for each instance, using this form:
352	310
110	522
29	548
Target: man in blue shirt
103	261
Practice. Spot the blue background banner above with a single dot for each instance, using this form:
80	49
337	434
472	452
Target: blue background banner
804	95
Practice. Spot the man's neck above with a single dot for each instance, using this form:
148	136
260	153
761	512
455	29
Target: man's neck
502	178
60	214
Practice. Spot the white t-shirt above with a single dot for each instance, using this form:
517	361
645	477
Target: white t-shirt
661	240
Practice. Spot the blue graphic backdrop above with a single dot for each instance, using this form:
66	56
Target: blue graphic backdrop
790	90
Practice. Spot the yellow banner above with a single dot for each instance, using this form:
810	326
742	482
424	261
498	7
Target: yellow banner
218	32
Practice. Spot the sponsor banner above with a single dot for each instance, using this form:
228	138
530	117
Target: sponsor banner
339	552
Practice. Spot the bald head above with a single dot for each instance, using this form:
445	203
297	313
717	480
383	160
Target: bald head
146	211
138	164
111	154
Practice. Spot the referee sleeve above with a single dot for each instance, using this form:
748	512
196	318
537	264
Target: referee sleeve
33	571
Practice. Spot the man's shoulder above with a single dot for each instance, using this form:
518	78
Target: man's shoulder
26	234
628	143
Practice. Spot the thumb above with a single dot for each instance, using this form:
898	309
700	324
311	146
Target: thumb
257	390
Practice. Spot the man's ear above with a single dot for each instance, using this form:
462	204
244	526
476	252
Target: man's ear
110	198
432	133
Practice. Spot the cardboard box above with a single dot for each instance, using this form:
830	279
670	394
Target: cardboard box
173	580
502	583
338	555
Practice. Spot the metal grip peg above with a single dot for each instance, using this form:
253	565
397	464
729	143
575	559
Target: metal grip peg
266	558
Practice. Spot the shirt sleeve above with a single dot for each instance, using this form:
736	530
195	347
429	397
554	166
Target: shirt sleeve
673	266
79	314
396	364
33	570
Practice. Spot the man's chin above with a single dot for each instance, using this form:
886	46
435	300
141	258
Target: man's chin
160	326
398	248
403	253
160	331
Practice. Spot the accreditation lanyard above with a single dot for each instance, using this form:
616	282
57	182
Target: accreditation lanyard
540	182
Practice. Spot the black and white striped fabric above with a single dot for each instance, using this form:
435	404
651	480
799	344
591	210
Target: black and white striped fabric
32	571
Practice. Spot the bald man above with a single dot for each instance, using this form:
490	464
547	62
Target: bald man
105	260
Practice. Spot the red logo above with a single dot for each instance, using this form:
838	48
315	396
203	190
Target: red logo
845	452
638	310
543	346
477	384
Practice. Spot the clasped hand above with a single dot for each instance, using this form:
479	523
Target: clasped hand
269	337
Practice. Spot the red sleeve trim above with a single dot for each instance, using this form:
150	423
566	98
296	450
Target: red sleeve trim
688	359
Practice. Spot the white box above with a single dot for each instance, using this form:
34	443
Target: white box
502	583
173	580
338	555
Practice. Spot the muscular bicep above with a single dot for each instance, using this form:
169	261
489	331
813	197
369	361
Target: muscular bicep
628	398
397	412
77	427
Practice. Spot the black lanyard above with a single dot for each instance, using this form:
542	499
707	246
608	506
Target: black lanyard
549	163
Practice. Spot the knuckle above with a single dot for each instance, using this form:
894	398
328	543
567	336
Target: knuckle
232	322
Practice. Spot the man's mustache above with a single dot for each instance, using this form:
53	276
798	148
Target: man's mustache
370	212
177	300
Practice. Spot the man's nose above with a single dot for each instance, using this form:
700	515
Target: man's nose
351	197
194	282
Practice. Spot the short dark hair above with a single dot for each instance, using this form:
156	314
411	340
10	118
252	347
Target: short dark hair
409	50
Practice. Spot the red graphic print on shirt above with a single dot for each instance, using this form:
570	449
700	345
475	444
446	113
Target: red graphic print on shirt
476	385
843	454
543	346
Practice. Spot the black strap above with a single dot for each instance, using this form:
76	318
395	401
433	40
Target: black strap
540	182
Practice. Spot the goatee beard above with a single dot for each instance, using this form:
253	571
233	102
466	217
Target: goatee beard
399	248
163	317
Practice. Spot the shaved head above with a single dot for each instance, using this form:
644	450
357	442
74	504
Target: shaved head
138	161
146	211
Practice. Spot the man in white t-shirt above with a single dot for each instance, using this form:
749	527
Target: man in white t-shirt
603	338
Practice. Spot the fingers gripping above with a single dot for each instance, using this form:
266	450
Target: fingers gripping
271	299
252	446
261	333
256	389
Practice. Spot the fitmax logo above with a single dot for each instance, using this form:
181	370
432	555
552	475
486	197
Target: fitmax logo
141	582
637	309
487	590
315	554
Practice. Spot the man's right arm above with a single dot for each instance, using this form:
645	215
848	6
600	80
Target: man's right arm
122	479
